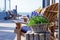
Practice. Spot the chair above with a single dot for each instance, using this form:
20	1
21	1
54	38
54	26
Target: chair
11	15
51	13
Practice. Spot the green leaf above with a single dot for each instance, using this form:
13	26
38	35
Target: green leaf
37	20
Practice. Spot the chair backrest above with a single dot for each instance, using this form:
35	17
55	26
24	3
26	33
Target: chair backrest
51	12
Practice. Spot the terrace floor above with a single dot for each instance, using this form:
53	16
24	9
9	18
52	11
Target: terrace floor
7	31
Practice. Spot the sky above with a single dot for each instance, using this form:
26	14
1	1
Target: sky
23	5
27	5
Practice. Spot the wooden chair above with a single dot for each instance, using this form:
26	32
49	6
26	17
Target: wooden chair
51	13
11	15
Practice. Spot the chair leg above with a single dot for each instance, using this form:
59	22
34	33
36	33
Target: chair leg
19	35
18	31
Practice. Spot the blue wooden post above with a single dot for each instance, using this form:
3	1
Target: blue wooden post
43	2
46	3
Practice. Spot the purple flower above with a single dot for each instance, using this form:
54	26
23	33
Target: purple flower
34	14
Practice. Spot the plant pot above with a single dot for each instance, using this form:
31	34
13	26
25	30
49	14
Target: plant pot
40	28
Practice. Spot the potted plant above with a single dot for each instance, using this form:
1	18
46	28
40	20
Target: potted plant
38	23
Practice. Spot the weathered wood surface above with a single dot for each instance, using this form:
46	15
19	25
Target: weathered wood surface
51	12
38	36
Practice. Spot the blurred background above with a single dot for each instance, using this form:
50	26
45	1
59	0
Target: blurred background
22	7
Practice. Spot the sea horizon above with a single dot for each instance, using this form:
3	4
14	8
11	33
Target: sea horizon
25	13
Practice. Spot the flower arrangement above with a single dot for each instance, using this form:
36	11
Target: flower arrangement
38	23
37	20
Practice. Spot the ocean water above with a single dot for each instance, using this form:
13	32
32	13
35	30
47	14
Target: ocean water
25	13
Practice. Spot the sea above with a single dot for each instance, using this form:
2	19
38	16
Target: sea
25	13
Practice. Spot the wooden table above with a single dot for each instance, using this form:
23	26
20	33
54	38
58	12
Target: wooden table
18	28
